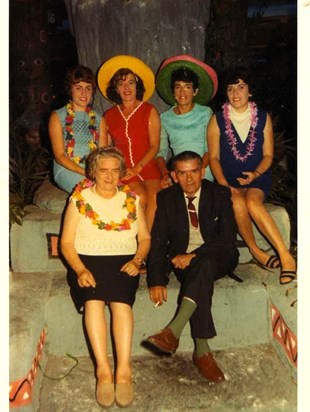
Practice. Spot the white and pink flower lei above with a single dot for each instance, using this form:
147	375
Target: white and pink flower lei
231	136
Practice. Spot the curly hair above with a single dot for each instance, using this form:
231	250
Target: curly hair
184	75
103	153
79	74
232	76
121	74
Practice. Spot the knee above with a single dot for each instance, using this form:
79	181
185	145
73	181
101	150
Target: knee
253	206
208	267
239	206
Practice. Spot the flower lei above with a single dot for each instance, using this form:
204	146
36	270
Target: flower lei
231	136
70	140
86	209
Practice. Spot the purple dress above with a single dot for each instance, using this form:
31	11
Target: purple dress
233	165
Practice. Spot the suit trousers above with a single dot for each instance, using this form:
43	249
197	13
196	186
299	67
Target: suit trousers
197	283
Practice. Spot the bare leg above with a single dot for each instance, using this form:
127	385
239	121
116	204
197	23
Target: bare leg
96	327
245	225
147	191
139	188
123	325
268	227
152	188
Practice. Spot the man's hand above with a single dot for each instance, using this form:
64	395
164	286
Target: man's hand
182	261
158	294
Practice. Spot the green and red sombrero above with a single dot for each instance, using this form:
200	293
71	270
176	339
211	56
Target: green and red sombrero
208	82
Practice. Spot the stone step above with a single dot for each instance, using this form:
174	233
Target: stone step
235	326
255	380
48	324
30	242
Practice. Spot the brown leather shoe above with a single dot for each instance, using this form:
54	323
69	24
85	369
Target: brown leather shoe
164	341
208	368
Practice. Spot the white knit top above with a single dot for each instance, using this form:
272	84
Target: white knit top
90	240
241	121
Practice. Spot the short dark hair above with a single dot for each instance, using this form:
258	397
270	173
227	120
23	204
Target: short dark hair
79	74
184	156
103	153
232	76
121	75
184	75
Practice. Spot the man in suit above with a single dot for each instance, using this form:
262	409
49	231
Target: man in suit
199	249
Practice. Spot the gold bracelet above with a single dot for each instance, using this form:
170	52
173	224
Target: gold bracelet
256	171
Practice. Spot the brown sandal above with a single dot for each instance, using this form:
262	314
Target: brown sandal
291	274
273	262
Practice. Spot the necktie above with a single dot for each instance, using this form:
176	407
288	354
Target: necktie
192	211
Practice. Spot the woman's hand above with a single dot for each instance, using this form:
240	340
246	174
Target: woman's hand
132	268
250	176
86	279
166	181
134	171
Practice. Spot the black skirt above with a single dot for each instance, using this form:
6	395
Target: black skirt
112	285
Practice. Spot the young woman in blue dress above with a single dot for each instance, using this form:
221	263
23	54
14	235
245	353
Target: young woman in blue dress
74	129
187	85
241	145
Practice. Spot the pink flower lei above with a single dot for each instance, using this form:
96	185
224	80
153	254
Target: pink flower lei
232	138
70	140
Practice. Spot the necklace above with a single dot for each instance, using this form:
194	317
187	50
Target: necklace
126	120
231	136
87	210
70	140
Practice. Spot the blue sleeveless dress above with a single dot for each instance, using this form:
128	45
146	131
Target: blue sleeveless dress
66	179
185	131
232	167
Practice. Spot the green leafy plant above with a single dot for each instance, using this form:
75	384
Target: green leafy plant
29	165
284	182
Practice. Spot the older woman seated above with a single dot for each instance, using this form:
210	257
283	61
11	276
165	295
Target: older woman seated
105	239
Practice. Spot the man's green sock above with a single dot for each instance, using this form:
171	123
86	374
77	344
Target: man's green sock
186	309
201	347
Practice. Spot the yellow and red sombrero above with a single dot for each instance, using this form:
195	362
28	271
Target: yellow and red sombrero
110	67
208	82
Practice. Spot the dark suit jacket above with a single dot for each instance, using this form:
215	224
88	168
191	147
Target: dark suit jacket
170	232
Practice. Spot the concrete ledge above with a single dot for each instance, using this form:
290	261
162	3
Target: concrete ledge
236	327
46	302
29	244
27	320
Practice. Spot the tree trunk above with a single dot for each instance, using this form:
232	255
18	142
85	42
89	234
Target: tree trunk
226	42
151	30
